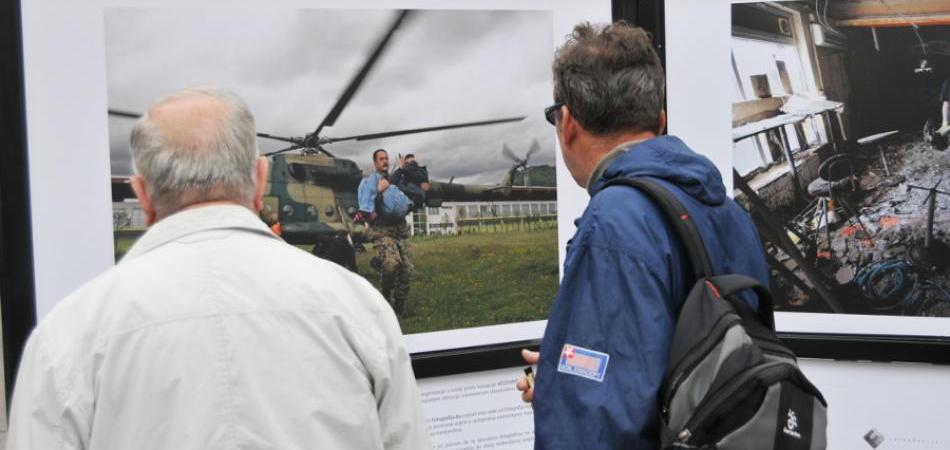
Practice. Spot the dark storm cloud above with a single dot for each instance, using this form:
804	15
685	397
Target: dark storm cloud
291	65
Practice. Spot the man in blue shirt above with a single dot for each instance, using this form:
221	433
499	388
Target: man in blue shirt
625	272
384	208
376	189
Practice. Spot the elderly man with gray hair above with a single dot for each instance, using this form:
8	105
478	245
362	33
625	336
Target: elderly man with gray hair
212	332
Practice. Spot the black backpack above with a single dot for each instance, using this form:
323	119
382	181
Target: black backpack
730	383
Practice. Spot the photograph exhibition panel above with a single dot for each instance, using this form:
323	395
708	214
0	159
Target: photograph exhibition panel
489	234
825	122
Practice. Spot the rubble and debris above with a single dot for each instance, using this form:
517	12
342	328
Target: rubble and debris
880	276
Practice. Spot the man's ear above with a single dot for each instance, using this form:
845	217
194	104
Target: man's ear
662	128
145	198
569	126
260	182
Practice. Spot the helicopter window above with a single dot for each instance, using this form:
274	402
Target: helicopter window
297	171
311	211
288	210
351	211
328	211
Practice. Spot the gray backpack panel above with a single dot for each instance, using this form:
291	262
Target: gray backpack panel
730	382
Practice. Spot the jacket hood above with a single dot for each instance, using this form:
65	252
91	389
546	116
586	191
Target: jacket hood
669	159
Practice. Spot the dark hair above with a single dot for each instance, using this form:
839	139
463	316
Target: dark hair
409	155
377	152
610	78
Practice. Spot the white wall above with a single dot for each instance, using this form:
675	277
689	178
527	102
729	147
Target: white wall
905	403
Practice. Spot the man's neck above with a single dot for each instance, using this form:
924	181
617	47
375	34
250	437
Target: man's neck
601	145
598	147
197	205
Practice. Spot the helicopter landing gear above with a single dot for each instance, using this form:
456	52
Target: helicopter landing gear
336	249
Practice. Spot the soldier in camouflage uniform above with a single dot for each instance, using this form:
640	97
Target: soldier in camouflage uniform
390	236
396	262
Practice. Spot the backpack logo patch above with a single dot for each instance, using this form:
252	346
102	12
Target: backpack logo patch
583	362
791	425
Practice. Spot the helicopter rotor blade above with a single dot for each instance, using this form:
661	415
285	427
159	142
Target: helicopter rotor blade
363	137
283	150
132	115
510	154
535	146
126	114
279	138
357	80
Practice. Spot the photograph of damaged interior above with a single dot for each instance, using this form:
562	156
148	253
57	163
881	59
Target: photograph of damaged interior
839	117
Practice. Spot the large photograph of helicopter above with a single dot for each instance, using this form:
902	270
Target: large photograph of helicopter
455	99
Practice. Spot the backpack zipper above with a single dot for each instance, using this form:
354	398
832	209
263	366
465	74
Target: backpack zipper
725	396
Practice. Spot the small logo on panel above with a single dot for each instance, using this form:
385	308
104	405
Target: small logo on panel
874	438
791	425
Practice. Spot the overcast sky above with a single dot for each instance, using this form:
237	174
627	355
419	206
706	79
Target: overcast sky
291	65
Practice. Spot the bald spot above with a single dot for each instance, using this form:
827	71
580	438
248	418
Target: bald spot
190	121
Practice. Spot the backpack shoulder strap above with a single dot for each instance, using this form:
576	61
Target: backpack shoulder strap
676	215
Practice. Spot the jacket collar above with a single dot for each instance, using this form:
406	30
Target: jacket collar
196	220
606	161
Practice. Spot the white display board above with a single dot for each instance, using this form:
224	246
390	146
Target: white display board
68	137
72	233
477	411
902	403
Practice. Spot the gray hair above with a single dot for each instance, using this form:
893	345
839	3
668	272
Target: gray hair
610	78
208	162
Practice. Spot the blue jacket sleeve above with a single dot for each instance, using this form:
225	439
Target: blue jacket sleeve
613	299
366	193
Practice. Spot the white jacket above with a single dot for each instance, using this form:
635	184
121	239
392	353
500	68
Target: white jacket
213	334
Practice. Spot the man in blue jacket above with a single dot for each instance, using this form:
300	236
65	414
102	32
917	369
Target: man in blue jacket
625	273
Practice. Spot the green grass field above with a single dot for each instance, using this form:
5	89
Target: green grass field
477	279
470	280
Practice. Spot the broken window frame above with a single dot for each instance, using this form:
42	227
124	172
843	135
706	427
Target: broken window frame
815	133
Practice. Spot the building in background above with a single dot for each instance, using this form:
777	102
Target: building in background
473	217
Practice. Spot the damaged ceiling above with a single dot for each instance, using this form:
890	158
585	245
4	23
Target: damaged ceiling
888	13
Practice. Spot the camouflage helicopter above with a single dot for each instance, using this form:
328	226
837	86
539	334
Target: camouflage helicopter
312	193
